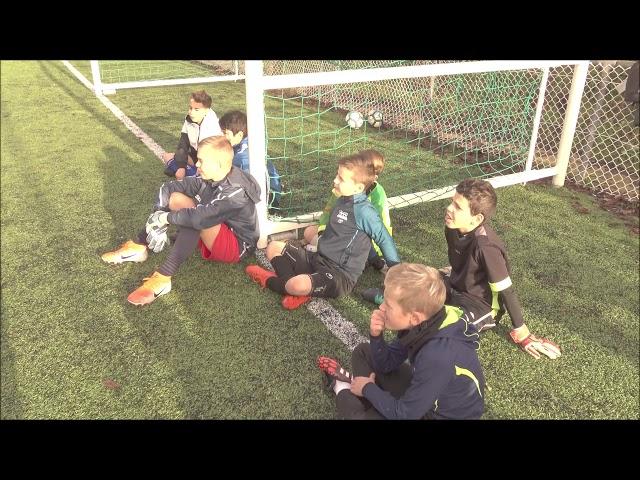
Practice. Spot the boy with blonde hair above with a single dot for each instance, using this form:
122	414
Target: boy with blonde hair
342	250
214	211
443	378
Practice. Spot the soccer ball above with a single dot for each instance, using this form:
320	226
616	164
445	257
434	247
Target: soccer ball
375	118
354	119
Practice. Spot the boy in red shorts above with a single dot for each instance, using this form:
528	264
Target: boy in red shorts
214	211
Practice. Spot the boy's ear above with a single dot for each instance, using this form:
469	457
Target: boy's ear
417	318
479	217
241	133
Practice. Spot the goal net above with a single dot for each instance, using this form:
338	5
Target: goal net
442	122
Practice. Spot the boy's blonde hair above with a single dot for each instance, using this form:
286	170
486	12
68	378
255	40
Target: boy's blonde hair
376	158
416	287
222	145
361	166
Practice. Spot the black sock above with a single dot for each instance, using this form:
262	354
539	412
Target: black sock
283	267
142	237
186	242
277	285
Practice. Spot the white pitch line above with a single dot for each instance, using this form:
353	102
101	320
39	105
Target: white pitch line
339	326
136	130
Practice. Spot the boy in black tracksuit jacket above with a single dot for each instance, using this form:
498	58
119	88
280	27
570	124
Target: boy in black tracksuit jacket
343	249
479	279
443	379
215	211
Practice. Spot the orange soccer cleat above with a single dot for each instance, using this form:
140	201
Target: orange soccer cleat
153	286
259	275
291	302
129	251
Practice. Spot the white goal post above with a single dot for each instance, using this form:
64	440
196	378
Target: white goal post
102	86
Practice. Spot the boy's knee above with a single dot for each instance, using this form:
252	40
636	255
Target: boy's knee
179	200
310	232
298	285
361	351
274	248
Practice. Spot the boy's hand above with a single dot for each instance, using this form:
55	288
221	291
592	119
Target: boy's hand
377	323
446	271
157	239
180	173
156	220
358	383
533	345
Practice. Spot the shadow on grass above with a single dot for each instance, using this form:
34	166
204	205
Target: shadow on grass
204	317
11	405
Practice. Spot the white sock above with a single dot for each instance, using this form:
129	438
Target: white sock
339	386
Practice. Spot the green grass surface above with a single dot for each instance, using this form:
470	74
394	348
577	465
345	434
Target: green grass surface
75	182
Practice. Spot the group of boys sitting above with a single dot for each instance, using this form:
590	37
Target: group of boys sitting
431	369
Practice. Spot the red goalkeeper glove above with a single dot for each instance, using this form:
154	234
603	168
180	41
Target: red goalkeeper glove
533	345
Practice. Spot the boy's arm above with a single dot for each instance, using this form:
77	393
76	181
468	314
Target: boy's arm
241	159
500	284
182	151
378	199
369	222
225	205
386	356
432	373
326	213
189	186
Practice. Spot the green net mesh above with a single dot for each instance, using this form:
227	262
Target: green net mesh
435	132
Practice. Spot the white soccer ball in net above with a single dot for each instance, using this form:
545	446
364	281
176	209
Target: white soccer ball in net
374	117
354	119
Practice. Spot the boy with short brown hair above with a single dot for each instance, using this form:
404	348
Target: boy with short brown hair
480	274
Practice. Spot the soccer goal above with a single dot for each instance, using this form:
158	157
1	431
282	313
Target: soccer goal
436	123
110	75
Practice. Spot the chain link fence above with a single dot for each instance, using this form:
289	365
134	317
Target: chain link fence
605	151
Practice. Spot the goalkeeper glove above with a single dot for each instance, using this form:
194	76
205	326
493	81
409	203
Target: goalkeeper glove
157	239
157	220
533	345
